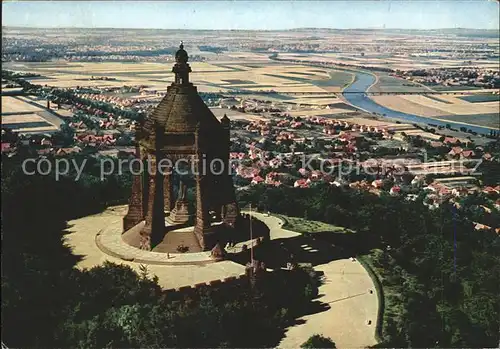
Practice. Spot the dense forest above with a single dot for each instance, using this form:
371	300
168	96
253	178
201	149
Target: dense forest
439	275
48	303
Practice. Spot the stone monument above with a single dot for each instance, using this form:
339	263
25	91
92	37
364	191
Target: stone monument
182	128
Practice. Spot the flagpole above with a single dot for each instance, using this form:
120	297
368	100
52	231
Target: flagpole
251	236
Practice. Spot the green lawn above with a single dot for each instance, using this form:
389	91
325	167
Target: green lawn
481	97
389	297
375	275
487	120
301	225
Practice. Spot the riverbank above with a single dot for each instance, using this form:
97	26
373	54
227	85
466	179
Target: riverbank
355	94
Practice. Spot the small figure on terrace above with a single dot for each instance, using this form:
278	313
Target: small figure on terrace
182	191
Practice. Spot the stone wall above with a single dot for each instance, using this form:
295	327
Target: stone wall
231	281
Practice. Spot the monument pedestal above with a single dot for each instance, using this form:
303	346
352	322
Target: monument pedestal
180	213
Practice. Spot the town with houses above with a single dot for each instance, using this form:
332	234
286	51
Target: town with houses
474	77
361	203
271	147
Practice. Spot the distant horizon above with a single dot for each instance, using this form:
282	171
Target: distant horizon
253	15
256	30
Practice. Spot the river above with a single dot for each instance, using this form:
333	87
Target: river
355	94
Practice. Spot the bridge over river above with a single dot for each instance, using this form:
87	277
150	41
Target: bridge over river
357	94
369	93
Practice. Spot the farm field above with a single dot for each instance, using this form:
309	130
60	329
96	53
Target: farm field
446	107
337	79
236	115
487	120
321	112
25	126
315	101
331	81
209	77
455	105
261	75
481	97
423	134
399	103
16	105
388	60
248	56
22	115
387	83
21	118
442	88
437	99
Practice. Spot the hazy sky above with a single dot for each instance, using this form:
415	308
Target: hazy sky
427	14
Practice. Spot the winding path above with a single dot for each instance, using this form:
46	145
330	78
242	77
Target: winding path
346	290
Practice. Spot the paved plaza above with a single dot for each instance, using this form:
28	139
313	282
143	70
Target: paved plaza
346	291
83	241
346	288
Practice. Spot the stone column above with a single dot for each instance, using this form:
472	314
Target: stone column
135	212
168	191
146	232
231	210
144	182
202	225
154	227
158	231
